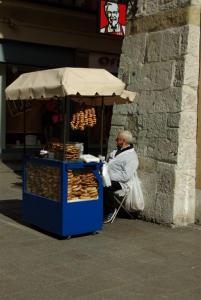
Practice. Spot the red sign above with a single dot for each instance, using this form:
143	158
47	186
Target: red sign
112	18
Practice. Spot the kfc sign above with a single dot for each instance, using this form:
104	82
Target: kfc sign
112	18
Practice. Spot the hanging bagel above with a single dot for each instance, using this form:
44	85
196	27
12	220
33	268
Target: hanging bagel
82	119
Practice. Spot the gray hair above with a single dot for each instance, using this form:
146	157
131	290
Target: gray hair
126	135
107	4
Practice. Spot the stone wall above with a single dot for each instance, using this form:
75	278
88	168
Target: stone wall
160	61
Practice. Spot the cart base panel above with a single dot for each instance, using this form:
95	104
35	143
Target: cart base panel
63	219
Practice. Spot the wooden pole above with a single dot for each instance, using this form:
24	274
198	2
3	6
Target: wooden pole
64	127
102	120
66	122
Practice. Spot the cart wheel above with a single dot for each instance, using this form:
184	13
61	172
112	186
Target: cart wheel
95	232
68	237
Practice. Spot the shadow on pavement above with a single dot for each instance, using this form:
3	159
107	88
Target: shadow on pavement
13	165
12	209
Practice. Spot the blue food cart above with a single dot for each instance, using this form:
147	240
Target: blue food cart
47	202
63	196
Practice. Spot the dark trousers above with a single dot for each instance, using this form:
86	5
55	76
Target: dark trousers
108	197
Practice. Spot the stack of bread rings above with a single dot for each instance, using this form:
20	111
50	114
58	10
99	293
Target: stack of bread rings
82	185
83	119
71	151
43	180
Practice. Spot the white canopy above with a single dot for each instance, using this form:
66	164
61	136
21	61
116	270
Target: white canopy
79	82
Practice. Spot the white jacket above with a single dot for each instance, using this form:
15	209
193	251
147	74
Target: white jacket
123	169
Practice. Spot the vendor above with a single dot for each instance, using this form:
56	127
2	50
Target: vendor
122	163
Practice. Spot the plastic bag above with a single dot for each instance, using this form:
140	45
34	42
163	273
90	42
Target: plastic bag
135	199
106	176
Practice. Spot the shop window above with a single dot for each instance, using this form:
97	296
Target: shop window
85	5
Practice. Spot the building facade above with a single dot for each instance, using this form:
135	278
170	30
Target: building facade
160	61
44	34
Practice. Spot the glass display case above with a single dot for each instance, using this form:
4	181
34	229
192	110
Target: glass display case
63	197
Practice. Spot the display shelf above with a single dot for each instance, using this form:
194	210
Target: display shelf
80	200
46	198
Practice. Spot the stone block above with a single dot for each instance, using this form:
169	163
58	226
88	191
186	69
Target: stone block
162	150
154	41
147	165
142	133
141	148
123	63
125	109
179	73
188	125
167	4
151	7
168	100
184	39
124	73
124	68
141	7
147	101
134	48
165	178
173	134
185	198
152	76
170	47
189	99
155	124
173	120
119	120
187	154
131	124
164	208
190	36
148	181
191	74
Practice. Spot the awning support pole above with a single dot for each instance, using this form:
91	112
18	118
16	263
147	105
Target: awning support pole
102	119
65	127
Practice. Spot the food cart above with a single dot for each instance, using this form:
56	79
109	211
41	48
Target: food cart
64	195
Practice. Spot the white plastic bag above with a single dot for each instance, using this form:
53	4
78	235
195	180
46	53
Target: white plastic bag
106	176
135	199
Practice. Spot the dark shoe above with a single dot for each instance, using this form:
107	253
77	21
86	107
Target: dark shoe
110	217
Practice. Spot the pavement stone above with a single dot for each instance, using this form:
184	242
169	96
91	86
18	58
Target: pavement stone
129	259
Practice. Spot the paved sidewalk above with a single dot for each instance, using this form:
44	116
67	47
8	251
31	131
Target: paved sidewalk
129	259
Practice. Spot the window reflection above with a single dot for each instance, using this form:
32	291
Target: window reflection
87	5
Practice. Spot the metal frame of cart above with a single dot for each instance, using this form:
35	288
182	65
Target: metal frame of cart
95	87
